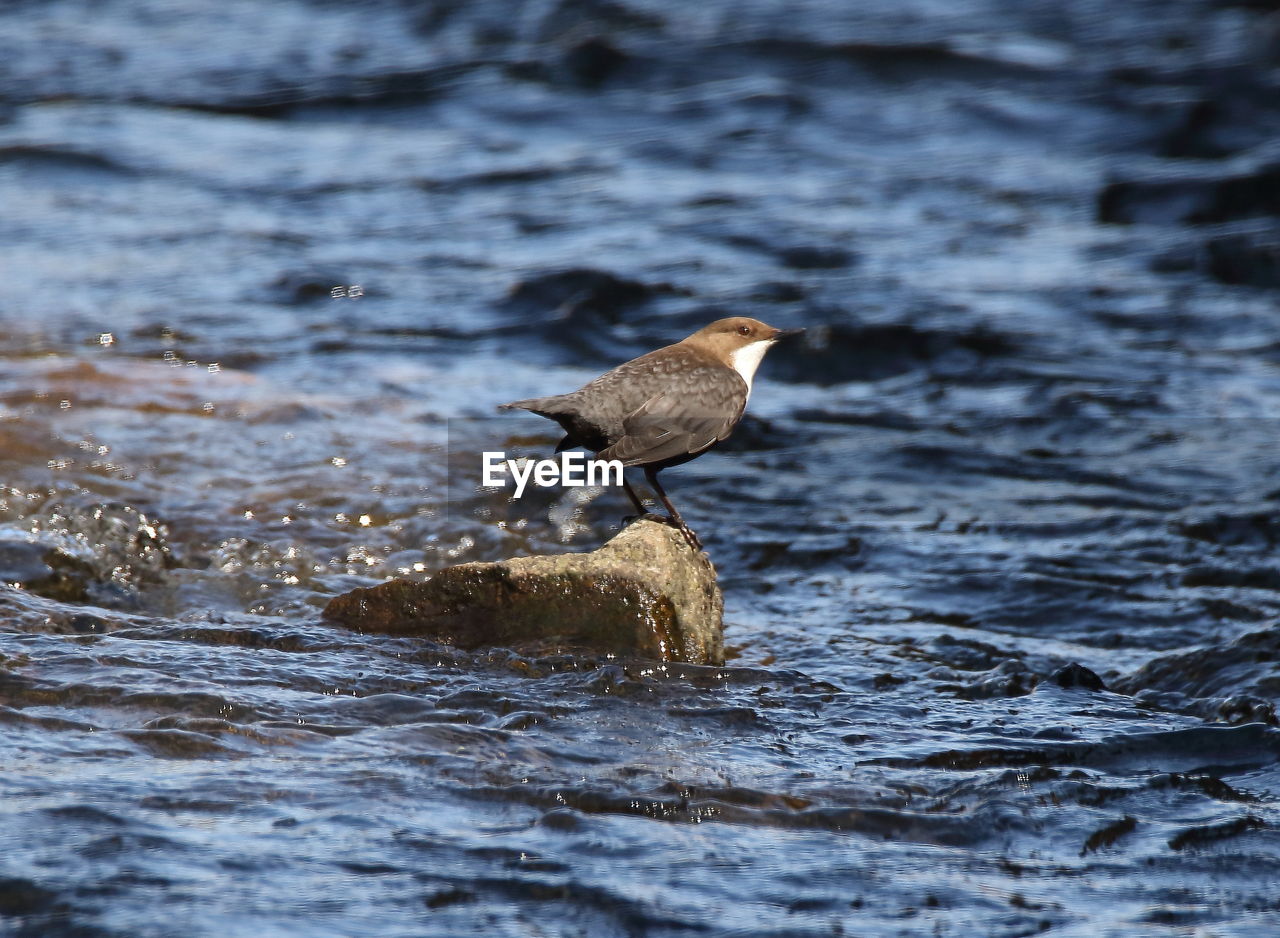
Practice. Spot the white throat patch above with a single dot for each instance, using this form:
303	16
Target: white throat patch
747	359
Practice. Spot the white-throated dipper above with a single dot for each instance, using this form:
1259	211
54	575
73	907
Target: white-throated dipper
666	407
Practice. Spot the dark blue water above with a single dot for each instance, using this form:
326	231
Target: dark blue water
998	543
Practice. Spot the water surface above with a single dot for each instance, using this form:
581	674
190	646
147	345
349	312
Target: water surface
998	543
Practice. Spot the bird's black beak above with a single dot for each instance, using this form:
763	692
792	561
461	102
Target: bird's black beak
783	333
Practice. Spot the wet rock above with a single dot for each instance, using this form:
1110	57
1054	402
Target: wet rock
1208	784
101	553
966	654
1077	677
643	593
1106	836
44	570
1244	667
1209	833
1241	708
1010	678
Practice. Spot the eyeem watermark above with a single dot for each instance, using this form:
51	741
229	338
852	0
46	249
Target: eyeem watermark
570	468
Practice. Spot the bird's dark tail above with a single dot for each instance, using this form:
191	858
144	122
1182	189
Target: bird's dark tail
550	407
545	406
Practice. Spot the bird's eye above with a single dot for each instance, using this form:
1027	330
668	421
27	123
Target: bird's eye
744	330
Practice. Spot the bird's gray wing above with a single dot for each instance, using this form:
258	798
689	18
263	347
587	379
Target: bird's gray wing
667	426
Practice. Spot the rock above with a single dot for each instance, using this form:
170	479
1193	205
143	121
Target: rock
1010	678
1228	679
44	570
118	549
643	593
1076	676
1242	708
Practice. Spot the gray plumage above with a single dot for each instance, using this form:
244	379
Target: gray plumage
666	407
663	407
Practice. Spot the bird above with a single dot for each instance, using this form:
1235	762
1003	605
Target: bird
666	407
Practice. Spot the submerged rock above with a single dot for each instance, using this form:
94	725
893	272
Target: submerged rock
44	570
643	593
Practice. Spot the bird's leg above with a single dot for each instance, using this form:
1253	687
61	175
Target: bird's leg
641	512
652	476
635	500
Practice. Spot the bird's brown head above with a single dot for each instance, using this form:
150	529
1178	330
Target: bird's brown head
739	341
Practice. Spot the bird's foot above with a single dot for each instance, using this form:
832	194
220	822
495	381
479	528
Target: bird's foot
685	531
690	537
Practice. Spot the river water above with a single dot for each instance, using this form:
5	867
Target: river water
998	541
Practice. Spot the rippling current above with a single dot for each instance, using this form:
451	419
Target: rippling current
999	543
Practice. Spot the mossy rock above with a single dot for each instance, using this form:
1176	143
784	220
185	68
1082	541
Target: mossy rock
644	593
